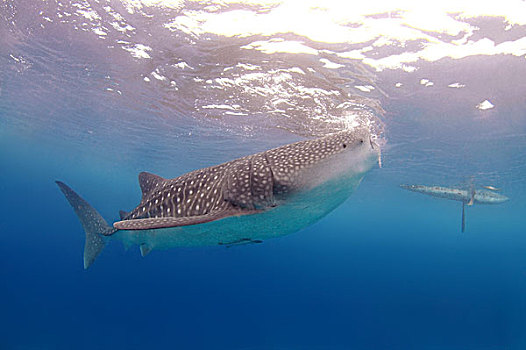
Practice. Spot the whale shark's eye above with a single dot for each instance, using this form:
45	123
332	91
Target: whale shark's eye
361	141
344	145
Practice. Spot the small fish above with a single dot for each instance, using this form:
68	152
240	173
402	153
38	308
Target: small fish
242	241
492	188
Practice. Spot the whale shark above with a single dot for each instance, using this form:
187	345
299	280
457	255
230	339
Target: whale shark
466	196
243	201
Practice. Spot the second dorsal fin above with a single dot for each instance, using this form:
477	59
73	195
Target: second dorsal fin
123	214
148	182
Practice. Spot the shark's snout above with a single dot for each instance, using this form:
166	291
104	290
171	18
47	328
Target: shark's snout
491	197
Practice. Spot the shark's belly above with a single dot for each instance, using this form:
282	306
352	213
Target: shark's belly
290	216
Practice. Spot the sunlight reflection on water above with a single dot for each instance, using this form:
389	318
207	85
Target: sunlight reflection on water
435	79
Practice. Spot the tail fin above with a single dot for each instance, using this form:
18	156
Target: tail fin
93	223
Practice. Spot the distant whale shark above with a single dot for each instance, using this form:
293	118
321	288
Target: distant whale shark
466	196
261	196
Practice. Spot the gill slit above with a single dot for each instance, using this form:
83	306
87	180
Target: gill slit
250	181
220	181
271	194
172	201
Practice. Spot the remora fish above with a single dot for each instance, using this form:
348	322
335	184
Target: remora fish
466	196
246	200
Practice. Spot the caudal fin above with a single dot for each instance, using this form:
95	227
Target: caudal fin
93	223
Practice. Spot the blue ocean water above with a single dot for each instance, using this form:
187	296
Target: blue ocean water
92	93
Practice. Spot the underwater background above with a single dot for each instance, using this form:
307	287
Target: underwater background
94	92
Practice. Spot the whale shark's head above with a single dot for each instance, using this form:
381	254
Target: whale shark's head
310	163
338	160
489	197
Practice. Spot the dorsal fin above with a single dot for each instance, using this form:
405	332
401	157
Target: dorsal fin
148	182
145	249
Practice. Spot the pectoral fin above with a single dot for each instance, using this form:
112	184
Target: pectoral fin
154	223
471	196
145	249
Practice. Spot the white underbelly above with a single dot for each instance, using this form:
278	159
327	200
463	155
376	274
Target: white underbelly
295	213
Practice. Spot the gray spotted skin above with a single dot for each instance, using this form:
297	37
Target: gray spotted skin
289	162
242	186
480	196
94	225
193	194
249	182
